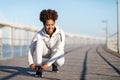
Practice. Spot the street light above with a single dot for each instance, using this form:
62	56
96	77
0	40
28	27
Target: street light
118	26
106	21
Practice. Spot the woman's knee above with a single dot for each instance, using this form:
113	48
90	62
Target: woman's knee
60	62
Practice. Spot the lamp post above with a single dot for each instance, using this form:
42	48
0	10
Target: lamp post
118	26
106	21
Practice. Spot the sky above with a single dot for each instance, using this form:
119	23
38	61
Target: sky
74	16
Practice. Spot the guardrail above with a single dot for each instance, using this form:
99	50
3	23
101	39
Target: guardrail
15	39
112	42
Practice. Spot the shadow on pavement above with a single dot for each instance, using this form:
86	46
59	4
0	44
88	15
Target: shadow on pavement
84	68
13	71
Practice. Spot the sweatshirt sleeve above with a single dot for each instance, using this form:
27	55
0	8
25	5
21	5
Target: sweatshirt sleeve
30	53
58	50
31	50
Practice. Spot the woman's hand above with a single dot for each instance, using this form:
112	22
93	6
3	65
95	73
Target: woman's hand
44	66
33	66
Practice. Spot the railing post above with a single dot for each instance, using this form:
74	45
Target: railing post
21	42
27	36
1	44
11	42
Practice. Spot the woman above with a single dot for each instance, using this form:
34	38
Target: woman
47	43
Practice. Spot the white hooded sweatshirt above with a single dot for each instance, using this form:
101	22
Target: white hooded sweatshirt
55	44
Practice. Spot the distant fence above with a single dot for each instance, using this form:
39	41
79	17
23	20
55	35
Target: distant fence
83	39
15	39
112	42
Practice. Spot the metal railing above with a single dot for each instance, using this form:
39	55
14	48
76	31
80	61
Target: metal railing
15	40
13	47
112	42
13	50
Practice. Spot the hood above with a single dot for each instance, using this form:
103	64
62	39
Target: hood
43	32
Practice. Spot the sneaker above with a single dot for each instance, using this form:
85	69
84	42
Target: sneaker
39	72
54	68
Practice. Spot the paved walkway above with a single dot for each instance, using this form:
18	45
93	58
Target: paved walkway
82	63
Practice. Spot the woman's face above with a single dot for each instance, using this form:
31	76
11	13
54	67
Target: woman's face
49	26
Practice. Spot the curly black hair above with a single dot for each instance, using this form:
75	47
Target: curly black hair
48	14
